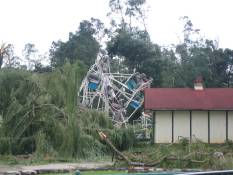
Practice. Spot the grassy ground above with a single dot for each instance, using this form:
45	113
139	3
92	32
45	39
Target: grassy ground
182	155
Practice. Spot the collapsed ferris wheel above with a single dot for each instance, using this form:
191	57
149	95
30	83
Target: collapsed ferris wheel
118	94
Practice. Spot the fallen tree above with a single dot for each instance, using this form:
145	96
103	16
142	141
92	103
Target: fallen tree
190	155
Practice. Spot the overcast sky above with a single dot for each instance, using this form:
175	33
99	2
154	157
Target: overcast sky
43	21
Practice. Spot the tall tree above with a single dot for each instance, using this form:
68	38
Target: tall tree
30	54
3	53
202	57
138	52
129	42
170	74
228	54
127	13
7	55
82	45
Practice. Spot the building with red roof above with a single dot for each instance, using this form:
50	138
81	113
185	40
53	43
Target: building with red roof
194	113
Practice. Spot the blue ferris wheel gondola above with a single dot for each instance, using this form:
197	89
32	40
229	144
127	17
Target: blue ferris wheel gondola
92	85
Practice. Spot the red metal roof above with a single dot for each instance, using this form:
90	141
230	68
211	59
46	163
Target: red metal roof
188	99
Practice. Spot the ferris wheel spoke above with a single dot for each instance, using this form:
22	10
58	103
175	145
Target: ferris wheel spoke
119	94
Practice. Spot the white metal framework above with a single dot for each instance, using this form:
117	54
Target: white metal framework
121	95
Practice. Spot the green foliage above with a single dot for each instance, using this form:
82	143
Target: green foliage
81	46
18	108
206	61
127	14
138	53
179	66
184	155
39	114
123	138
195	57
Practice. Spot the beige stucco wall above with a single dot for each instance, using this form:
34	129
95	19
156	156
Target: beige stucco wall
181	124
230	125
217	126
163	127
200	125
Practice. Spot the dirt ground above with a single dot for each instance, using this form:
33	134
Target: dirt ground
55	167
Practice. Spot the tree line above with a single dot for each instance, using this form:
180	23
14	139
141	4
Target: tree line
128	44
38	103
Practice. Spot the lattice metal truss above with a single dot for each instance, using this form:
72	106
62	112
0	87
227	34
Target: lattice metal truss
121	95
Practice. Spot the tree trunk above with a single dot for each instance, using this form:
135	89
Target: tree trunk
1	61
